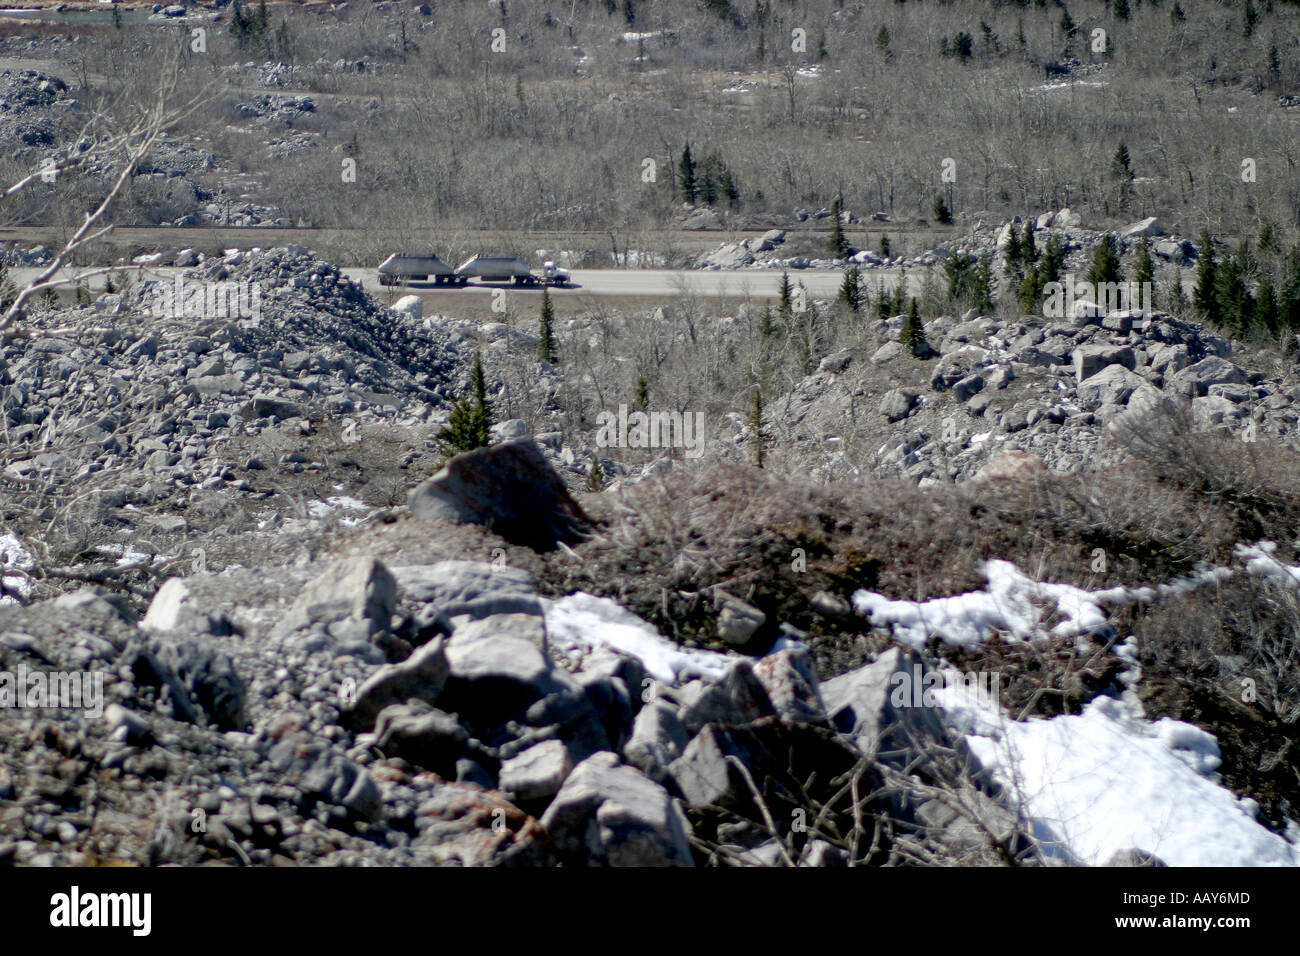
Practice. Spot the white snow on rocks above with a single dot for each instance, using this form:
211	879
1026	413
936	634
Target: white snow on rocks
1017	606
1013	604
1260	561
1105	780
14	558
582	620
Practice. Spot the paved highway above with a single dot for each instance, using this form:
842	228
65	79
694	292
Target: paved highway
820	283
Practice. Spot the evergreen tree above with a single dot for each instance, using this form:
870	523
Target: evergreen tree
756	428
1266	308
1236	305
469	425
8	291
785	299
1267	239
914	333
479	383
900	291
960	271
963	46
1014	260
546	331
1105	262
1068	28
851	289
1205	296
642	393
984	284
1121	165
596	476
1144	270
1031	290
1175	298
1289	307
884	301
713	181
1047	269
249	30
837	244
1028	249
728	189
1121	9
1053	260
942	214
284	43
882	43
686	175
884	246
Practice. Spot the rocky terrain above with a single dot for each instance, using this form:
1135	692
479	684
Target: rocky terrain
293	577
312	653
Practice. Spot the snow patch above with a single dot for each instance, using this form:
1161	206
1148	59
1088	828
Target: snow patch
1105	780
14	558
583	620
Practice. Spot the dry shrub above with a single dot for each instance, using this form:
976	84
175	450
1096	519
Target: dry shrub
1199	651
1253	484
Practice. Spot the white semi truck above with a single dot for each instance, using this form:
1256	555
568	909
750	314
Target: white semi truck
404	267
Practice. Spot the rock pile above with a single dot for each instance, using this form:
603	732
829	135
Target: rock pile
154	393
346	712
1052	388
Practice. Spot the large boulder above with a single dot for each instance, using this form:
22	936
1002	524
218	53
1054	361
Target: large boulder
476	589
658	738
502	683
201	684
1215	411
958	365
422	675
537	772
1012	465
1195	380
738	621
410	305
176	608
1146	227
510	489
354	593
421	735
863	704
1091	359
897	404
607	814
723	766
737	698
790	679
732	255
1113	385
